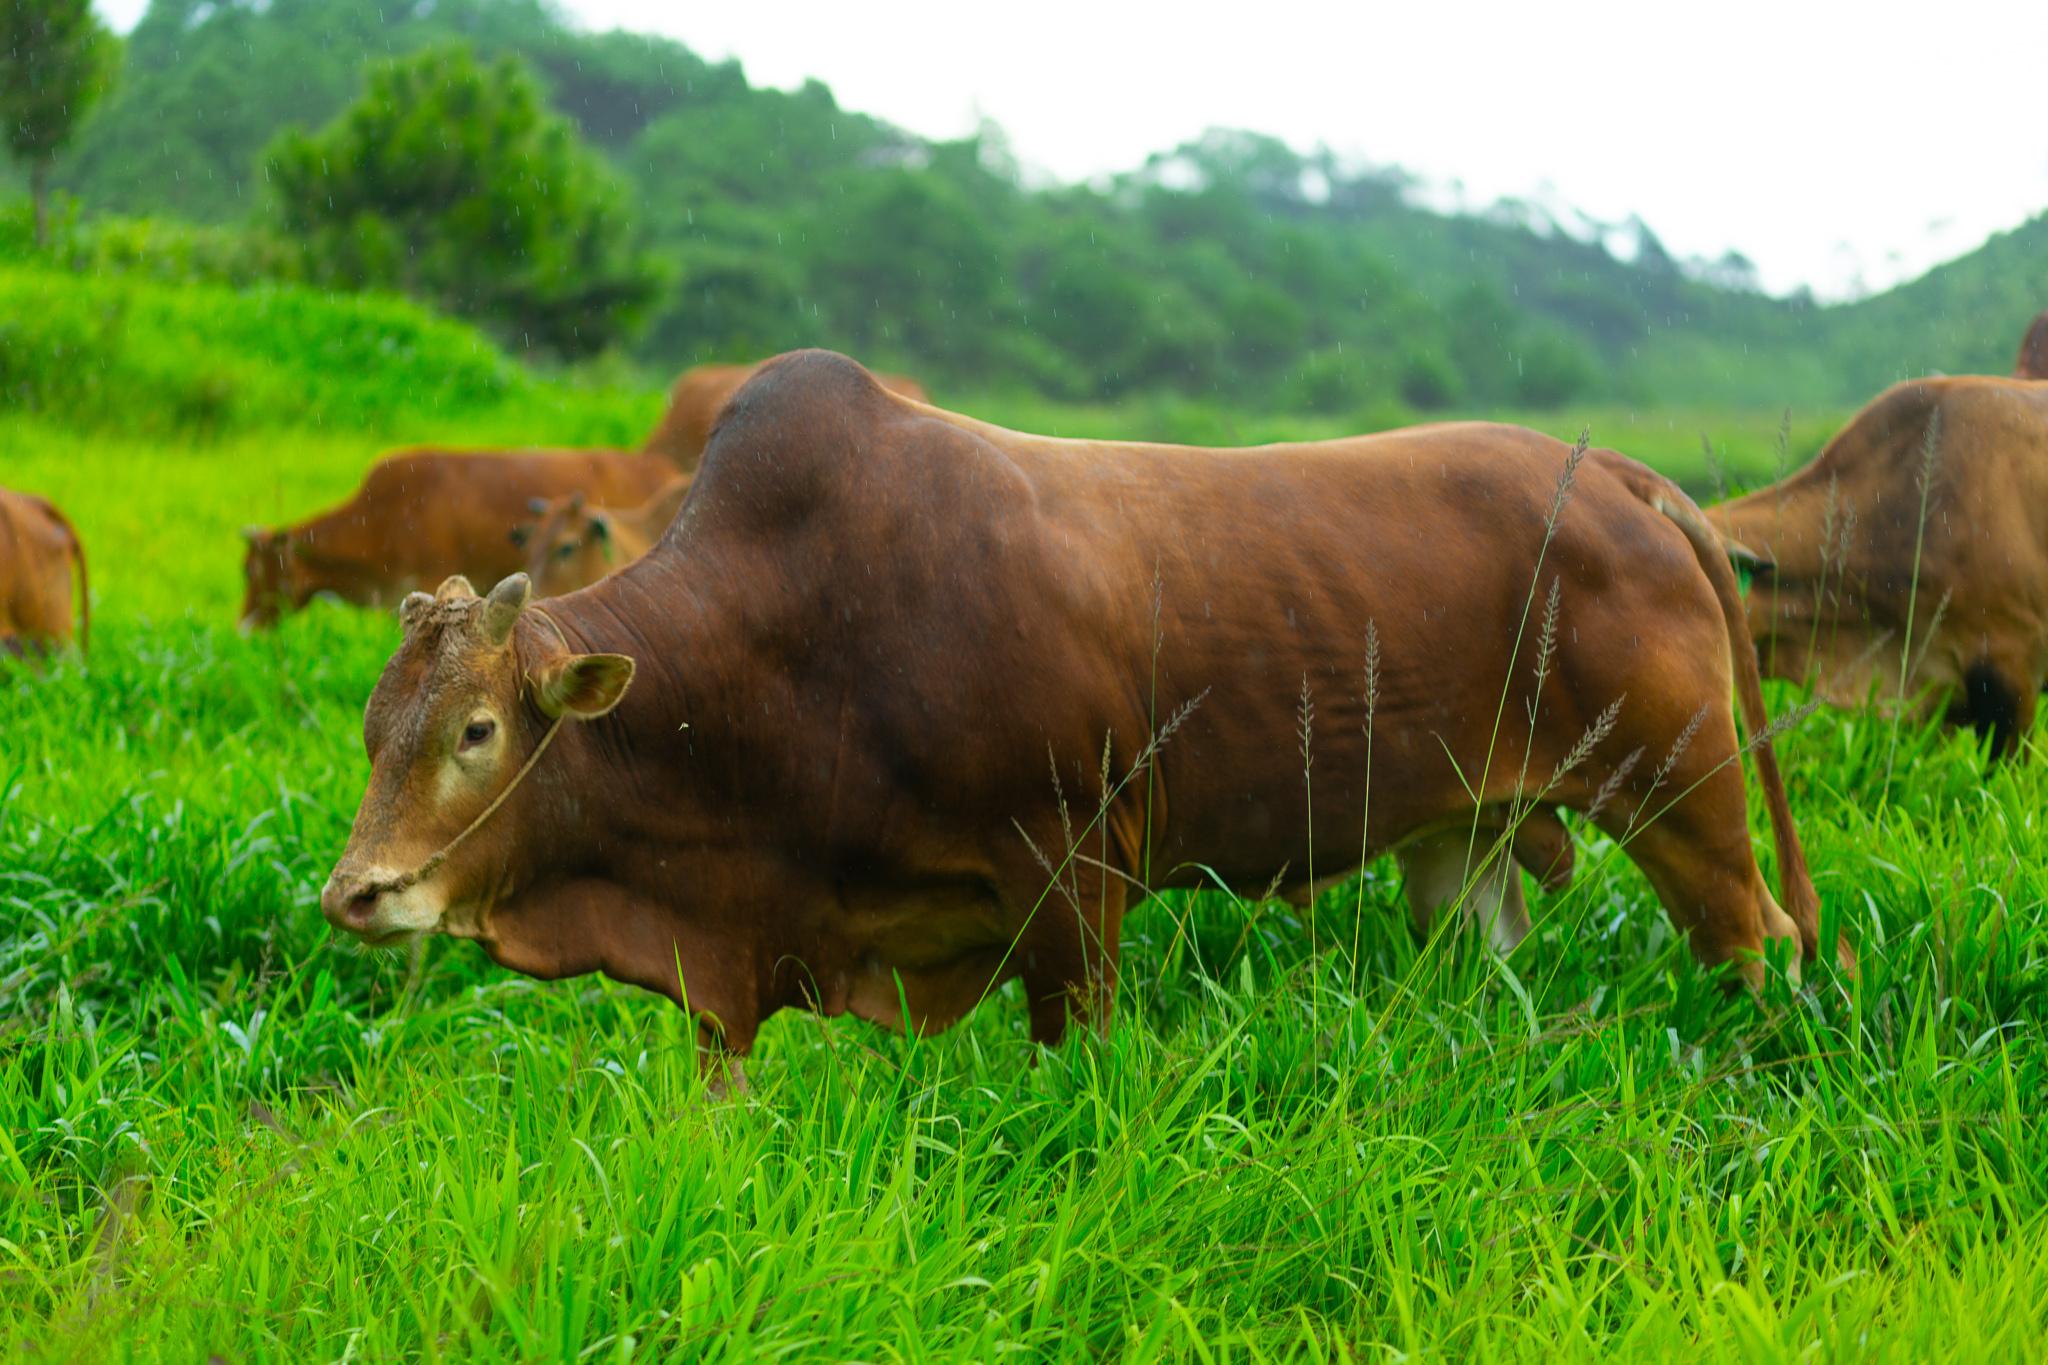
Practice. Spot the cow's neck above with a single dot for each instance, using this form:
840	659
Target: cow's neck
633	865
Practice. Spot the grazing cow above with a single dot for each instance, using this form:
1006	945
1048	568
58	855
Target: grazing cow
573	544
701	393
1926	515
2033	360
421	515
39	553
839	740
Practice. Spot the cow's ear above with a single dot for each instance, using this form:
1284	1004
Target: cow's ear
582	686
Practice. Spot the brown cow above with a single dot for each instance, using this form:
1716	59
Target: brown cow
39	553
421	515
2033	358
701	393
573	544
1856	556
828	786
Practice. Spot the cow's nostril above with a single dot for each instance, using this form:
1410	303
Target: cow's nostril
360	907
349	907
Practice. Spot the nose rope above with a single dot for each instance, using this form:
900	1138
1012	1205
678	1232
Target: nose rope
433	863
440	856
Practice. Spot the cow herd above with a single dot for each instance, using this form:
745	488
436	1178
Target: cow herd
830	698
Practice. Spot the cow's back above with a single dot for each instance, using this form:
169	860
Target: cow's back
699	396
978	598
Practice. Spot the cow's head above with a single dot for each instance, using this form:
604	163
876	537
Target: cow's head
461	706
571	546
269	577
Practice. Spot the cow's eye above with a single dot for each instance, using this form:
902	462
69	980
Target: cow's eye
566	550
477	731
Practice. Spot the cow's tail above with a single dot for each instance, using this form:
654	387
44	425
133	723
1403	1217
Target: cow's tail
76	549
1795	883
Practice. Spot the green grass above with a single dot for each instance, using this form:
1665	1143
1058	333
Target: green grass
222	1131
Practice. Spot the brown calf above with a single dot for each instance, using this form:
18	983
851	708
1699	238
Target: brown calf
572	544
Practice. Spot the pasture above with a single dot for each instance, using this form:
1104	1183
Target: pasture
1307	1136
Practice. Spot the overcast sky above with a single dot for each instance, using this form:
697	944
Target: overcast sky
1842	146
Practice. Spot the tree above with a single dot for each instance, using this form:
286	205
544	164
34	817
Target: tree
56	60
452	182
901	261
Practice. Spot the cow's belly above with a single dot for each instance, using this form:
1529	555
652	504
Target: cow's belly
928	952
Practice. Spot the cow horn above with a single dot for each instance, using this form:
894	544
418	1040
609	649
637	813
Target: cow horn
454	585
502	607
409	610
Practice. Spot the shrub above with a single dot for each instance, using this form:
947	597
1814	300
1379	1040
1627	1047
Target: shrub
452	182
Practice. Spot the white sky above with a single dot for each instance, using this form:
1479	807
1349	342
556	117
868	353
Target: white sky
1844	146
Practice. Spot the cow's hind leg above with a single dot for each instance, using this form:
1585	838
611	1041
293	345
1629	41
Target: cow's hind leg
1434	871
1698	857
1999	705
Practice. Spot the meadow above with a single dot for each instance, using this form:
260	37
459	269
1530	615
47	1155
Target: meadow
223	1132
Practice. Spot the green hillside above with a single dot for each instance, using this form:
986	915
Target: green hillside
199	360
1232	269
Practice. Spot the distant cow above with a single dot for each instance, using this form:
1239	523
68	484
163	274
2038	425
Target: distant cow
39	555
421	515
875	702
1928	513
572	544
701	393
2033	359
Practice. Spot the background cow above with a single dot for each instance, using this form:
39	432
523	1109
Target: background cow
39	554
701	393
1928	513
572	544
872	735
421	515
2033	359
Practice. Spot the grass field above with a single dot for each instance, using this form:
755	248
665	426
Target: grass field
223	1133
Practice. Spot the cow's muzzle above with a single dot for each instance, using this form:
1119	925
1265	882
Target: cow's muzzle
350	901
